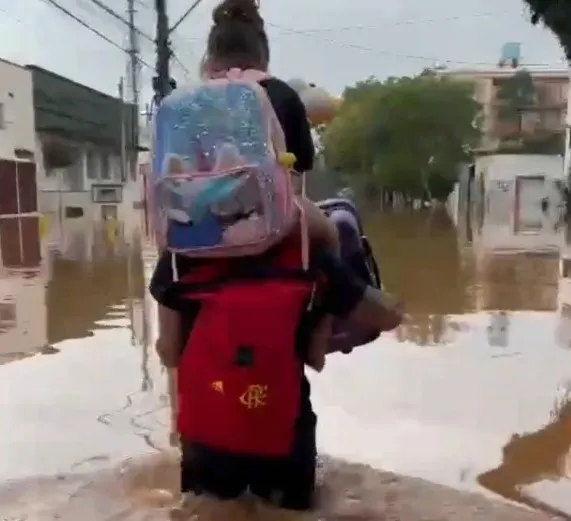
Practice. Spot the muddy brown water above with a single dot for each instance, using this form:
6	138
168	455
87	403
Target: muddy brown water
472	392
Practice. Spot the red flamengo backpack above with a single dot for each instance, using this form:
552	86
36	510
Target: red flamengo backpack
239	377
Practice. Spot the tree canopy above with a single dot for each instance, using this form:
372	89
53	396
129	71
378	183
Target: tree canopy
556	16
409	134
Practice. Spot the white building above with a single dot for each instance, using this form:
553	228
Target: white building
87	144
19	246
90	195
23	315
17	134
518	203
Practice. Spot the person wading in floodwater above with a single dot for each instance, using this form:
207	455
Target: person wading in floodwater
239	330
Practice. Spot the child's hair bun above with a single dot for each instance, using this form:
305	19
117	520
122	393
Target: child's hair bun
245	11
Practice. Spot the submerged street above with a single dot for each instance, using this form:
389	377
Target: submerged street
471	392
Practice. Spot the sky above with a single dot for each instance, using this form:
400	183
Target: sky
333	43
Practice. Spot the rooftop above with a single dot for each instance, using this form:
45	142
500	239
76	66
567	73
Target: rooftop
499	72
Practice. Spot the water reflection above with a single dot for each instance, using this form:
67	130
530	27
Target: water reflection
89	277
532	457
85	302
422	261
504	309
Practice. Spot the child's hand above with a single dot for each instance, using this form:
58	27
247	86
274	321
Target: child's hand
319	344
394	311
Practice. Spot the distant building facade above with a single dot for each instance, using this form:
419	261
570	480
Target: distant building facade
80	136
546	115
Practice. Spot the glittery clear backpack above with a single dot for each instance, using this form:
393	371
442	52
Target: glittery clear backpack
221	184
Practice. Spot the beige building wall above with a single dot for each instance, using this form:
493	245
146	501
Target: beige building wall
551	87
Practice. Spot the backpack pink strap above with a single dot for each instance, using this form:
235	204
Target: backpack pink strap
252	75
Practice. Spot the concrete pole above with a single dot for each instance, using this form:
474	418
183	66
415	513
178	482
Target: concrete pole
161	82
124	172
567	152
134	64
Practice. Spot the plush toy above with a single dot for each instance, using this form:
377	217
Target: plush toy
321	106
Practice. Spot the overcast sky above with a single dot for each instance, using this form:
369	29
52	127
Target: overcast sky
330	42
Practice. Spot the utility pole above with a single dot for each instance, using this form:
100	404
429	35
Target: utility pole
162	81
124	173
163	84
134	63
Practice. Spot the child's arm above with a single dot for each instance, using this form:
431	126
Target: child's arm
322	232
347	297
169	341
319	343
169	346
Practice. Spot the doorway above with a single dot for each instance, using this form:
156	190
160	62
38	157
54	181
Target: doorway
529	211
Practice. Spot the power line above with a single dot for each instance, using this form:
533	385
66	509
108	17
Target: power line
143	4
67	12
398	23
431	59
173	28
126	22
120	18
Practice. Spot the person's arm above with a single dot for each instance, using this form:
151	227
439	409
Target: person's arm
299	140
377	308
170	335
169	340
321	229
292	116
346	296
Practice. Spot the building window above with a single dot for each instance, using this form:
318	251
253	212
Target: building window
106	166
74	173
530	200
92	164
109	212
2	118
117	174
73	212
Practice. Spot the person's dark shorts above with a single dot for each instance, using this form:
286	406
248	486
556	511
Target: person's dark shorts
285	483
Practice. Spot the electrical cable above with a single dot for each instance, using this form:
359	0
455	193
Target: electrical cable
120	18
124	21
83	23
384	52
398	23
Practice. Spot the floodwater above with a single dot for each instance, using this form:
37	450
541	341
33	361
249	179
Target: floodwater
471	392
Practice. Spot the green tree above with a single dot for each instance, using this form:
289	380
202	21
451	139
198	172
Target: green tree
516	95
556	16
409	134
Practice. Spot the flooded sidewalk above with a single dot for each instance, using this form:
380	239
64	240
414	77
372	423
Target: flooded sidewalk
471	393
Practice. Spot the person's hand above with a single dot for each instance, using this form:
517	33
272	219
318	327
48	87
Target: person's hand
319	344
394	311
